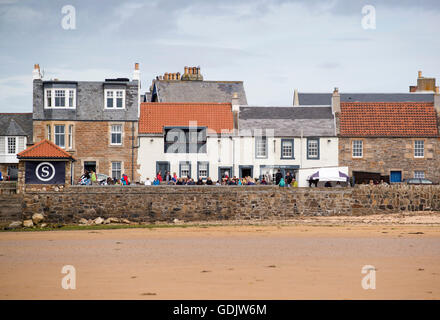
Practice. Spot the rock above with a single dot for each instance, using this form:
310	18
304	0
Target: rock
37	218
15	224
43	225
111	220
28	223
83	221
177	221
98	220
90	212
125	221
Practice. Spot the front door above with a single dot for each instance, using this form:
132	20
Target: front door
246	171
223	172
163	167
90	166
395	176
13	172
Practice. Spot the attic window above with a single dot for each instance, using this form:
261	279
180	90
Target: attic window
60	98
114	99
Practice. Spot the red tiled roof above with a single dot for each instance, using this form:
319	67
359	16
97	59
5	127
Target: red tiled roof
388	119
156	115
44	149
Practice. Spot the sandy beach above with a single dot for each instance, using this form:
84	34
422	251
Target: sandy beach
314	258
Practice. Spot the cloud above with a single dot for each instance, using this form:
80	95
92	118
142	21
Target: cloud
272	45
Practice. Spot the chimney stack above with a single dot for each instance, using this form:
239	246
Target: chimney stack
336	101
235	102
36	74
437	100
295	98
136	72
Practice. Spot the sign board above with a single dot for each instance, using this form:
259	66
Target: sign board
45	172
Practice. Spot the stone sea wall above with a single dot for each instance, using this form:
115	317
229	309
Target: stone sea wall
193	203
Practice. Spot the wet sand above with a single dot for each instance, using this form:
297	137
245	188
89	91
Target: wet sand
299	261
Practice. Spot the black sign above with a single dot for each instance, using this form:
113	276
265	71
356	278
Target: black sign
45	172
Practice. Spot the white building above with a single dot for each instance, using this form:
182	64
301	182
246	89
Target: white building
276	138
215	140
15	134
189	139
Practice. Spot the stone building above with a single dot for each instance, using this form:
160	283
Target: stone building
398	140
15	135
191	87
94	121
390	136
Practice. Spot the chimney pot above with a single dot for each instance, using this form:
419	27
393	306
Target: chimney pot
186	70
420	73
136	72
36	74
336	101
437	90
295	98
235	103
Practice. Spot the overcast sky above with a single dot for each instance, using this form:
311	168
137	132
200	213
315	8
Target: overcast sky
273	46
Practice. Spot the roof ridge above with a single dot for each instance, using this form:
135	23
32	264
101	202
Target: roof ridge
53	145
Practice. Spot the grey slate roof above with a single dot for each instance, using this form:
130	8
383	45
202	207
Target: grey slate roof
16	124
325	98
199	91
89	101
310	121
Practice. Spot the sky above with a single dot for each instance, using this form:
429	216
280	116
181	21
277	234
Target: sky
274	46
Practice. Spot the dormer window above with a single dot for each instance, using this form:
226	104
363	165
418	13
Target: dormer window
114	98
59	98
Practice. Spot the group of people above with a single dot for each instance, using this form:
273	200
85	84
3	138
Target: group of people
174	180
168	179
91	178
287	181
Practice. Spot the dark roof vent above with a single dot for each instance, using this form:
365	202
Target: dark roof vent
117	80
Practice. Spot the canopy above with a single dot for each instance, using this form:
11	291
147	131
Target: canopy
329	174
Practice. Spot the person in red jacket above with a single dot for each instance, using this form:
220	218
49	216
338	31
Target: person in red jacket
159	176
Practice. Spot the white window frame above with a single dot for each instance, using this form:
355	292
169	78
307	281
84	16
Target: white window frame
204	169
261	144
312	149
70	136
287	144
357	151
15	145
60	134
49	132
185	172
419	152
116	132
113	169
114	97
68	92
419	174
